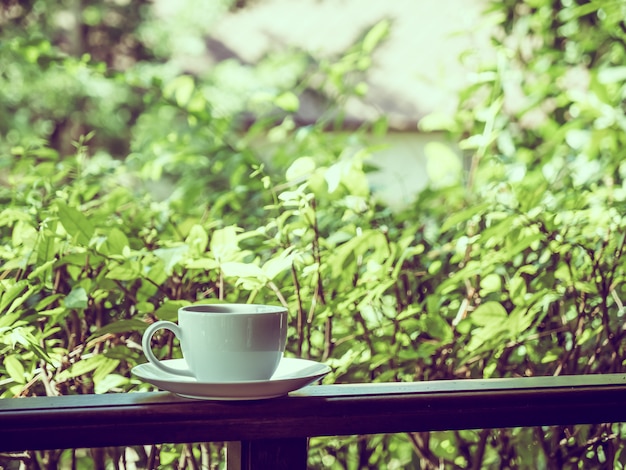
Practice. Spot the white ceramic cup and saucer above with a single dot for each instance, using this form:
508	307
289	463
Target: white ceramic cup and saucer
230	352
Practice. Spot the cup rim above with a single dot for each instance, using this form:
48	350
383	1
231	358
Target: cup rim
233	309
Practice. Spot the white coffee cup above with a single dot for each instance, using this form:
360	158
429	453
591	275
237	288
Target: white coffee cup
225	342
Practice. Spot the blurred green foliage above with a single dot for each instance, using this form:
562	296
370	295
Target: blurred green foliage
131	186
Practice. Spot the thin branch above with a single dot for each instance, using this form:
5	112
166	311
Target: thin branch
479	455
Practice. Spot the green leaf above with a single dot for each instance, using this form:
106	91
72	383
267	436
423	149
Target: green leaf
110	382
115	242
180	90
156	273
205	264
525	242
551	356
53	312
517	289
10	290
197	241
443	165
169	310
171	256
10	215
300	168
612	74
224	243
571	13
489	314
437	327
47	241
463	216
15	369
144	308
287	101
128	271
375	35
236	269
520	320
121	326
16	295
490	283
76	299
22	336
42	270
278	264
105	367
334	175
24	234
47	301
75	223
82	367
436	121
9	320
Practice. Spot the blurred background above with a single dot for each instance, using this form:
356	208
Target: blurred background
418	57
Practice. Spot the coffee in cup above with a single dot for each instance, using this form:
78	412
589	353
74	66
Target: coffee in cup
225	342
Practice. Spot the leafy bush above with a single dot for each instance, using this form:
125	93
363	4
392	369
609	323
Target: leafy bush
536	275
518	270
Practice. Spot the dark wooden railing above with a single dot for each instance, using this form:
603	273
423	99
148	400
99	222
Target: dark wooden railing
273	433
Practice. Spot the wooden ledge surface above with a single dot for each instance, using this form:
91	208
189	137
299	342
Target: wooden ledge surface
318	410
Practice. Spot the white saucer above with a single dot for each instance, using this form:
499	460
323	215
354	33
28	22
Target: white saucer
292	374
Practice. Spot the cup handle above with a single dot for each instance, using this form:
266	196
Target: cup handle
147	349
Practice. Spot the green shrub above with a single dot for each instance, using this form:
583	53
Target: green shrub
517	270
